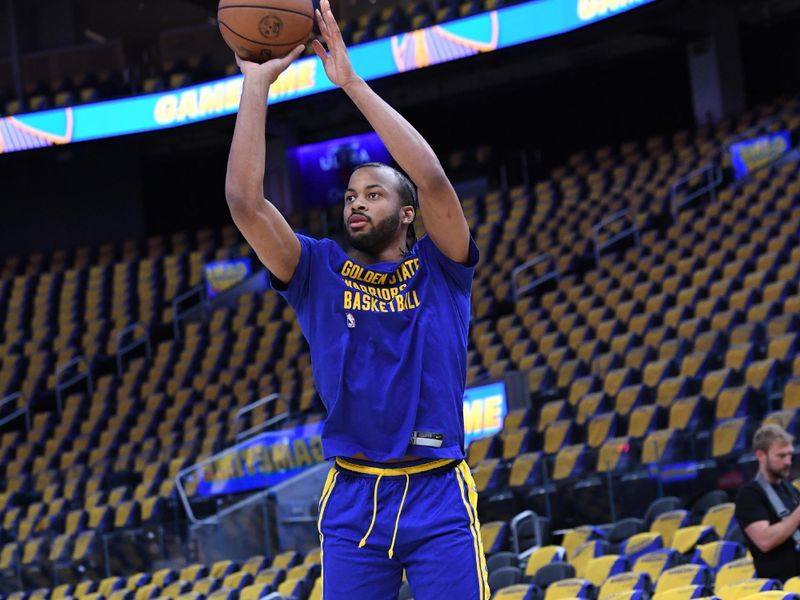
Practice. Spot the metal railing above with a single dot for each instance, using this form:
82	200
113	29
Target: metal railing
64	370
552	274
24	410
682	193
631	231
261	426
196	471
180	314
276	518
515	527
126	348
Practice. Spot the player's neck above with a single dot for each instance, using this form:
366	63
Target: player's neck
388	255
392	252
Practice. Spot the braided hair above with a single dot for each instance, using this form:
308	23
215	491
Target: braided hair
408	197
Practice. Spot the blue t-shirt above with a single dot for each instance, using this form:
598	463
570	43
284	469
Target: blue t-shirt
388	347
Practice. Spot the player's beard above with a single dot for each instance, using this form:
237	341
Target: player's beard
377	237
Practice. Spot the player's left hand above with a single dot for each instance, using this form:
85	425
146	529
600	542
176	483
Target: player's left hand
336	60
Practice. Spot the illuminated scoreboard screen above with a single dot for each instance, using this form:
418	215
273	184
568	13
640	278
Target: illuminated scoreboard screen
323	170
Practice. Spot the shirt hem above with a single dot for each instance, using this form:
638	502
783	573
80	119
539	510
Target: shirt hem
334	448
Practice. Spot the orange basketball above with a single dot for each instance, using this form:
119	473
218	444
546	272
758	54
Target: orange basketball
258	30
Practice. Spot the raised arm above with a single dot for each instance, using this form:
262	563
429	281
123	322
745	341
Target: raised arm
444	218
261	224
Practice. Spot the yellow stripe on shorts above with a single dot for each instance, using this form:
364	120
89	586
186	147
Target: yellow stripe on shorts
327	490
472	512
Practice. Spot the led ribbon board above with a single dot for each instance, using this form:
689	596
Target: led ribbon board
224	274
485	409
324	169
751	155
453	40
263	461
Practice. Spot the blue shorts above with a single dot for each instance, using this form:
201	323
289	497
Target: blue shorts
376	521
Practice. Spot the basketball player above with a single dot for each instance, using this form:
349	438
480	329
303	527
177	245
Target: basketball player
387	327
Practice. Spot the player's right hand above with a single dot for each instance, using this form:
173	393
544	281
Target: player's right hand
269	70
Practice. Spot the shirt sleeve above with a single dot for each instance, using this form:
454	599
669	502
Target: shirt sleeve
458	274
751	507
296	291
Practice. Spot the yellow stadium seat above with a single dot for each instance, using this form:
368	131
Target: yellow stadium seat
65	590
555	435
163	577
110	584
625	583
734	572
682	593
654	563
720	517
485	474
543	556
773	595
568	462
599	569
206	585
745	588
584	554
85	587
792	584
312	557
519	591
569	588
684	576
493	536
292	588
255	592
146	592
574	538
550	413
668	523
525	470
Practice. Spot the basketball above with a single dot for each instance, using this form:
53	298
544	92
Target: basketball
258	30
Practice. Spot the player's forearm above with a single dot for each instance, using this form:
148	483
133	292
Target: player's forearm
404	143
244	182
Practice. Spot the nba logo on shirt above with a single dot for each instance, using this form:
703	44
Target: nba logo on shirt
351	321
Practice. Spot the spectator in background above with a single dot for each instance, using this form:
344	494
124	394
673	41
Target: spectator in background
768	508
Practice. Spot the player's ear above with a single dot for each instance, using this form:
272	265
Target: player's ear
408	214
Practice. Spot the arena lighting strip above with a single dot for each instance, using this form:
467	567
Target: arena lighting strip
465	37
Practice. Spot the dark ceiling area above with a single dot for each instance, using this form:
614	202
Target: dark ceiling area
46	24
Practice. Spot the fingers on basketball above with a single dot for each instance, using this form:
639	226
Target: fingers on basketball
261	30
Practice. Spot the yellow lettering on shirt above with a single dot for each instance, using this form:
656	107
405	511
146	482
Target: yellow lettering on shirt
373	291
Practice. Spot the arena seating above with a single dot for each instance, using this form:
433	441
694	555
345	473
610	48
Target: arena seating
669	350
385	22
675	350
677	553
